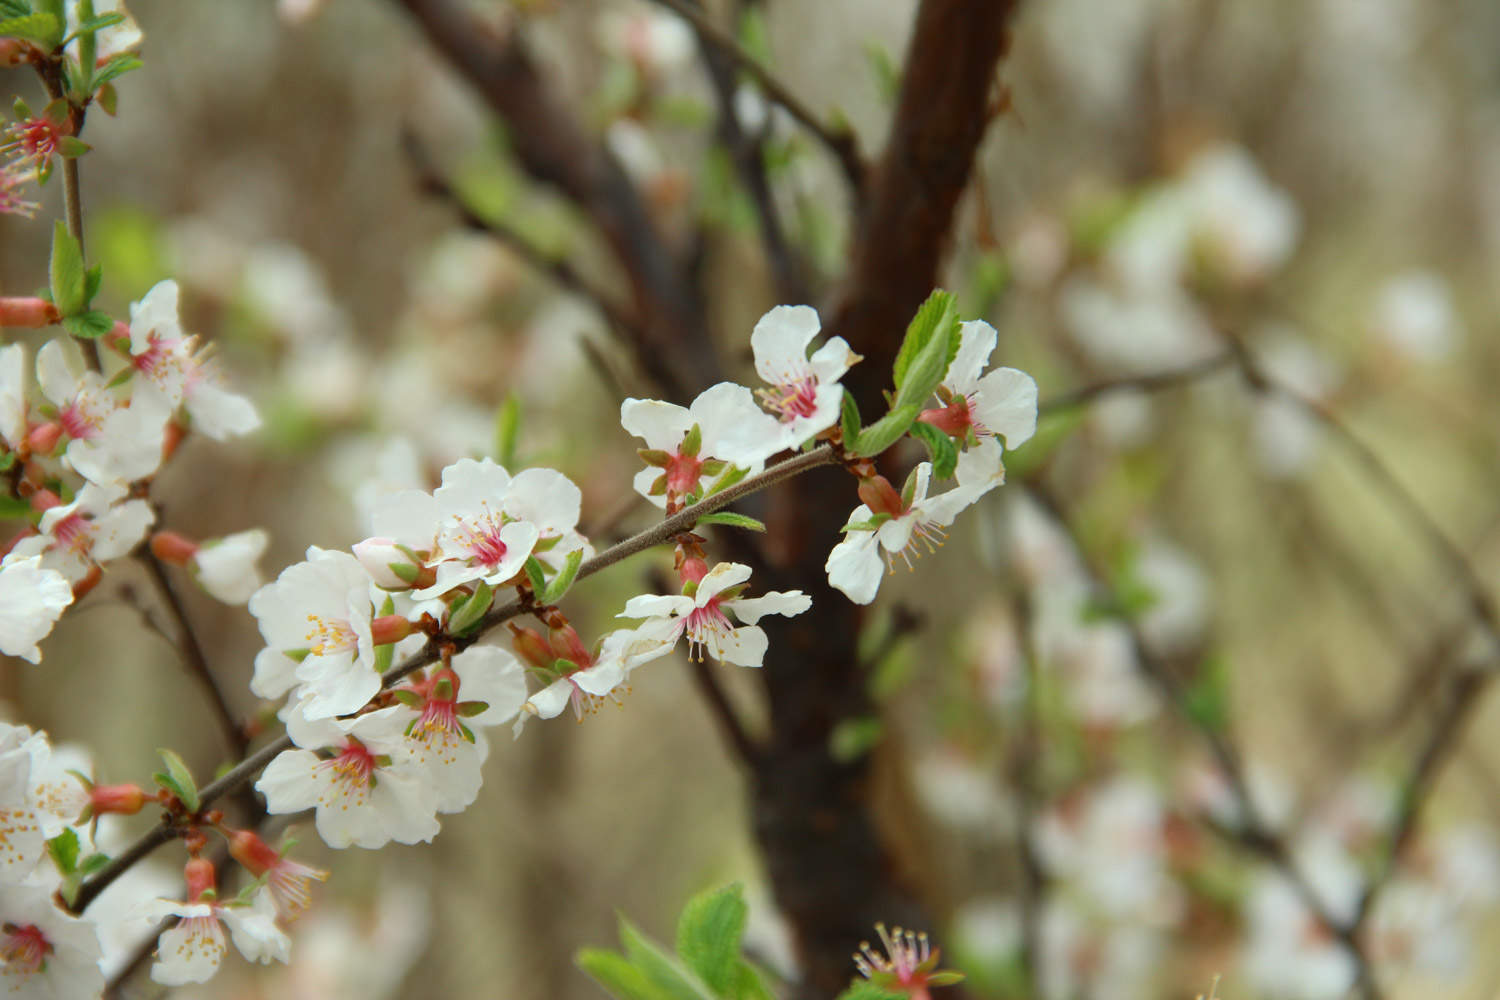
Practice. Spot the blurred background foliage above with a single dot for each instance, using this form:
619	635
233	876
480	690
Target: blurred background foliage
1304	188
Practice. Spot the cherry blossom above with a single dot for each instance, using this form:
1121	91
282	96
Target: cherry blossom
552	503
805	394
45	954
318	613
226	567
730	429
22	819
700	614
32	599
192	950
98	526
362	779
854	565
1001	402
583	680
447	713
12	395
108	441
287	881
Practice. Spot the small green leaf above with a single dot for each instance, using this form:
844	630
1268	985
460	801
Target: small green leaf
44	29
619	978
730	519
96	23
537	574
91	282
708	935
66	272
92	864
564	578
465	617
108	99
884	432
731	475
14	8
90	325
70	147
748	985
180	782
852	738
662	971
64	851
849	421
940	446
507	430
115	66
935	331
864	989
937	314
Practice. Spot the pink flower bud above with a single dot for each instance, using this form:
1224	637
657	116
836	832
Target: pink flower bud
44	437
567	644
954	420
255	854
29	312
170	547
125	800
531	647
390	628
44	500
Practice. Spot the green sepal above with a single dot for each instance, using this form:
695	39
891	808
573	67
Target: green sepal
468	733
178	780
909	490
63	849
871	525
940	446
654	456
405	572
714	467
865	989
65	271
90	325
108	99
44	29
467	614
561	583
469	709
931	343
708	936
92	863
659	486
70	147
730	519
92	279
385	654
507	430
20	109
884	432
693	442
407	697
120	378
443	690
849	421
57	111
296	655
537	574
945	977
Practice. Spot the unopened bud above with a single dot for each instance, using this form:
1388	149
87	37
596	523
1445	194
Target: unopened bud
44	437
89	582
44	500
692	570
30	312
124	800
567	644
531	647
170	547
390	628
387	563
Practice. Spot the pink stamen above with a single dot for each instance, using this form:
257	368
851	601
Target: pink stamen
705	627
24	948
354	764
792	399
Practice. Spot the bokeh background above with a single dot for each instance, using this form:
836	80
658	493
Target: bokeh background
1309	190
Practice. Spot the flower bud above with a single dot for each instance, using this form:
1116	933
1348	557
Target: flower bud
531	647
30	312
567	644
388	565
390	628
200	876
170	547
124	800
44	437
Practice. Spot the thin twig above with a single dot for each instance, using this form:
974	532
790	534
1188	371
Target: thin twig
1151	382
1253	833
562	273
841	142
667	530
193	657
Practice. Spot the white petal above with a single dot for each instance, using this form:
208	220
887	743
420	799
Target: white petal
744	647
12	394
1006	405
549	702
752	609
546	498
854	567
219	413
780	340
254	931
719	579
656	606
491	675
32	599
661	425
189	952
226	568
976	345
290	782
155	314
643	482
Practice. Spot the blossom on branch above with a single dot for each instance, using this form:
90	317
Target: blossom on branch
700	614
805	394
192	949
1001	402
45	953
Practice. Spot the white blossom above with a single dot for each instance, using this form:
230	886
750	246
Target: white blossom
45	954
805	394
226	567
108	441
32	599
192	950
701	616
99	525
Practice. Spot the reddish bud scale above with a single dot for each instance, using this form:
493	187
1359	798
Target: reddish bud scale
567	644
200	876
954	419
170	547
44	437
88	583
123	800
29	312
172	437
693	570
118	337
880	496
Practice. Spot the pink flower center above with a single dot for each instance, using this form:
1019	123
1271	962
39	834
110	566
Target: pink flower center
955	419
790	400
33	139
706	627
24	948
905	964
683	472
439	717
73	534
354	765
79	420
479	538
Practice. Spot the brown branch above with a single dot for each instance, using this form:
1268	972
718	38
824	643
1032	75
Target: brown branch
840	141
240	775
553	148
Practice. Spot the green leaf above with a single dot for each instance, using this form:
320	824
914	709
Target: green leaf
884	432
731	475
465	617
44	29
619	978
730	519
748	985
92	864
92	279
661	970
864	989
932	339
14	8
66	272
90	325
852	738
564	578
64	851
179	780
507	430
708	935
849	421
1206	701
537	575
107	99
97	23
116	65
940	446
